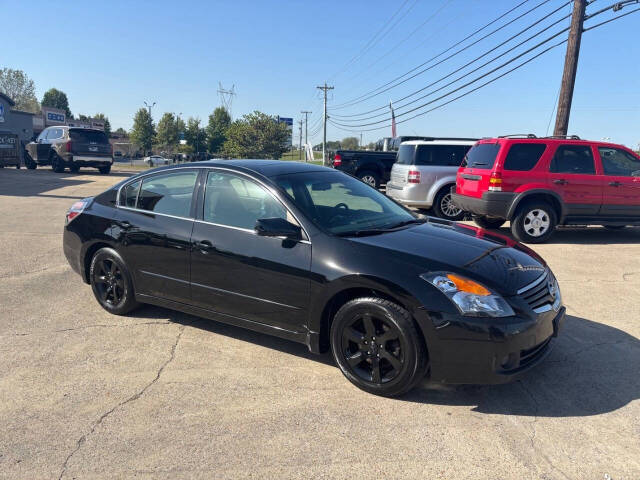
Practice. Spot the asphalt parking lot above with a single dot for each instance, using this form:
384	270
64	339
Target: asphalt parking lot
160	394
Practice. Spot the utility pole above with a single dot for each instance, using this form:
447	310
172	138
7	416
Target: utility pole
300	146
570	68
360	140
306	125
324	88
150	106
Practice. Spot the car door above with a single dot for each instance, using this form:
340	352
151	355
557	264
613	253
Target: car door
573	175
622	182
236	272
153	224
42	145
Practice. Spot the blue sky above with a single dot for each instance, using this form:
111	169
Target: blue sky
111	56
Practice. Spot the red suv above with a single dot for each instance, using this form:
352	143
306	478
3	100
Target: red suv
539	183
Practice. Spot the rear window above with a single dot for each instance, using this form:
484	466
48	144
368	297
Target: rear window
88	136
481	156
523	156
405	155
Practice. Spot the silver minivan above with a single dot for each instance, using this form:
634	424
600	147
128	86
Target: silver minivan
425	171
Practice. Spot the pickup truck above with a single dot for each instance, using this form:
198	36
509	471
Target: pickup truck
371	167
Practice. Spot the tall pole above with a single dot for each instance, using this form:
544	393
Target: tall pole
306	125
570	68
324	88
300	145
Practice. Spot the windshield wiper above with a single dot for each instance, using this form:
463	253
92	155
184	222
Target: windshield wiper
378	231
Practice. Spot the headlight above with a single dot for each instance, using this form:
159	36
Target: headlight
471	298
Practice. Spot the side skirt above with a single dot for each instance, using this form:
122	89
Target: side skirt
300	337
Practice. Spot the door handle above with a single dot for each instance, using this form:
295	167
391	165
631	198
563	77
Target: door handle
561	181
124	225
614	184
204	246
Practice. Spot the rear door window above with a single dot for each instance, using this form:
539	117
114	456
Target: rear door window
405	154
424	155
523	156
573	159
129	194
481	156
169	194
88	136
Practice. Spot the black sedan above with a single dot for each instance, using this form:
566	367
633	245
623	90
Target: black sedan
316	256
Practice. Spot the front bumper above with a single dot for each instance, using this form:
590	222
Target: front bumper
464	350
411	194
491	204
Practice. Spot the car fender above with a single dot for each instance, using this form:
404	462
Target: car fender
527	193
438	185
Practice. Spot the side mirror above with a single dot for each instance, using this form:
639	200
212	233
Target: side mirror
277	227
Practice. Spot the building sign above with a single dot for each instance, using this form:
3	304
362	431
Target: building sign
7	141
289	122
1	113
53	116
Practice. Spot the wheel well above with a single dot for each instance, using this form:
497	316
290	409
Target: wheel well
337	301
368	168
540	197
89	256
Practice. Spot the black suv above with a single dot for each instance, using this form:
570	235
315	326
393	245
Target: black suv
70	147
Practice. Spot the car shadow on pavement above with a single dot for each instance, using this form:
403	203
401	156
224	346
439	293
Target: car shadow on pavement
588	235
593	369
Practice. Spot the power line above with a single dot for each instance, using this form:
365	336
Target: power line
382	87
384	107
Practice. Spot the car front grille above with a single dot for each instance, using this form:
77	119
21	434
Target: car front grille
542	294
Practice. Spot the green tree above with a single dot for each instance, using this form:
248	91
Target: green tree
143	130
194	135
121	131
55	98
167	131
19	88
349	143
107	124
216	129
256	135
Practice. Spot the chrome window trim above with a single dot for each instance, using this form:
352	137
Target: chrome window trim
536	282
268	188
247	230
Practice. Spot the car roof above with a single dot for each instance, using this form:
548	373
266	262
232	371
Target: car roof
547	140
440	142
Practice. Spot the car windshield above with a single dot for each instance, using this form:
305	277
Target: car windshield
343	205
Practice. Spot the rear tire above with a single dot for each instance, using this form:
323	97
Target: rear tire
534	222
111	282
488	222
370	178
377	346
443	206
74	168
104	170
57	164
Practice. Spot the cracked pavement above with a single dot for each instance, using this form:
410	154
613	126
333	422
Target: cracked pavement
164	395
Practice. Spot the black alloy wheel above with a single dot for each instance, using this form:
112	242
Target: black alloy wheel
377	346
111	282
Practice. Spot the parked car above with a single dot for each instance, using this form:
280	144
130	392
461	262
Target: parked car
425	173
155	160
540	183
373	168
70	147
9	150
393	296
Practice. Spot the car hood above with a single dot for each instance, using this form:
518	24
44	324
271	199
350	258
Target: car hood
493	259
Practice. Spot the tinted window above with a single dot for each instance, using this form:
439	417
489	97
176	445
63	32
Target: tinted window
88	136
573	159
448	155
342	204
236	201
523	156
481	156
170	194
423	154
129	194
405	154
618	162
54	133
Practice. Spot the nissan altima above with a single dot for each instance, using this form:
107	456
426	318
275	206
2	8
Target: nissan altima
316	256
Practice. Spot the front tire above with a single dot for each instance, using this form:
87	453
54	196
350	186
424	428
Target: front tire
488	222
29	163
57	164
111	282
443	206
105	170
370	178
377	346
534	223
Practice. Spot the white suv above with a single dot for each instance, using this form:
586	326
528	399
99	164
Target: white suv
425	171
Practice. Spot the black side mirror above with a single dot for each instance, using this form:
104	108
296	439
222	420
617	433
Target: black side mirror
277	227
